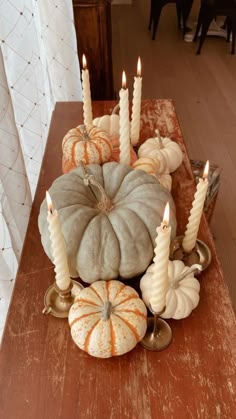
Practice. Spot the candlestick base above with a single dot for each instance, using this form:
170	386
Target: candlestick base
58	302
201	253
158	335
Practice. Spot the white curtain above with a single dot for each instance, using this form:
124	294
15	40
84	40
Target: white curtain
38	67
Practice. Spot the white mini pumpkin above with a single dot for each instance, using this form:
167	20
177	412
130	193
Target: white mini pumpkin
163	149
182	295
109	123
107	319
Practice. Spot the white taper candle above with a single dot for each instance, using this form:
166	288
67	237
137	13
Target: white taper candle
160	269
190	235
63	279
87	103
136	106
124	123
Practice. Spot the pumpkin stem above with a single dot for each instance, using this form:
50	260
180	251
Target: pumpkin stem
192	269
105	204
84	131
158	135
107	310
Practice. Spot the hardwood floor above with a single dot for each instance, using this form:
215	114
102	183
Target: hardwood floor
204	90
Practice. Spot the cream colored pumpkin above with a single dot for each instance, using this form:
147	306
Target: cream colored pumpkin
87	144
109	123
152	167
165	150
182	295
107	319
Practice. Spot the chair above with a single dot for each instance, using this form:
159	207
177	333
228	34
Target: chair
183	8
208	11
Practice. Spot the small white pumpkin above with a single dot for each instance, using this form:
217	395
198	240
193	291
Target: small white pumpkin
107	319
109	123
153	167
182	295
163	149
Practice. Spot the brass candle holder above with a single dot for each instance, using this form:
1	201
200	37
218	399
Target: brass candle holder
200	254
158	335
58	302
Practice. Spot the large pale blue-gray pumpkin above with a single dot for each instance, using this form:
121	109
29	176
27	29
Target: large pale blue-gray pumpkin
108	218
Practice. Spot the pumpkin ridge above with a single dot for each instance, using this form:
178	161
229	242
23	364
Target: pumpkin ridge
108	143
73	151
130	326
157	183
138	216
98	295
133	296
77	319
113	339
138	313
86	343
85	300
119	291
99	151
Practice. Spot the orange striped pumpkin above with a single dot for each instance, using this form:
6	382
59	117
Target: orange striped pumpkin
107	318
89	144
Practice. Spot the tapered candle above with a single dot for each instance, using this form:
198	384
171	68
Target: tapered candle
63	279
124	123
87	103
136	106
190	235
161	259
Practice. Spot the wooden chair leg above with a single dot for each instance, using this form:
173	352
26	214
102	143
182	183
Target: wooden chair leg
186	8
233	42
156	18
205	26
151	15
179	13
199	24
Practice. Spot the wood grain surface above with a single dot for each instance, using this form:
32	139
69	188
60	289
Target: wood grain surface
43	375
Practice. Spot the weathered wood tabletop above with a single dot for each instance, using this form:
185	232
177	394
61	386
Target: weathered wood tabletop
43	375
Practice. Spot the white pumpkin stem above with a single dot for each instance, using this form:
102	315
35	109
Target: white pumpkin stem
158	136
84	131
105	204
192	269
107	310
115	109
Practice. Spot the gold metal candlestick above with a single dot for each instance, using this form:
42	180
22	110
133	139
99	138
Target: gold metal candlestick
200	254
58	302
158	335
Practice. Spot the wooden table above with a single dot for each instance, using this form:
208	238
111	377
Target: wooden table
43	375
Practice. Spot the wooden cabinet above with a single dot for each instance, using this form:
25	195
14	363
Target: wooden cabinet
93	30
